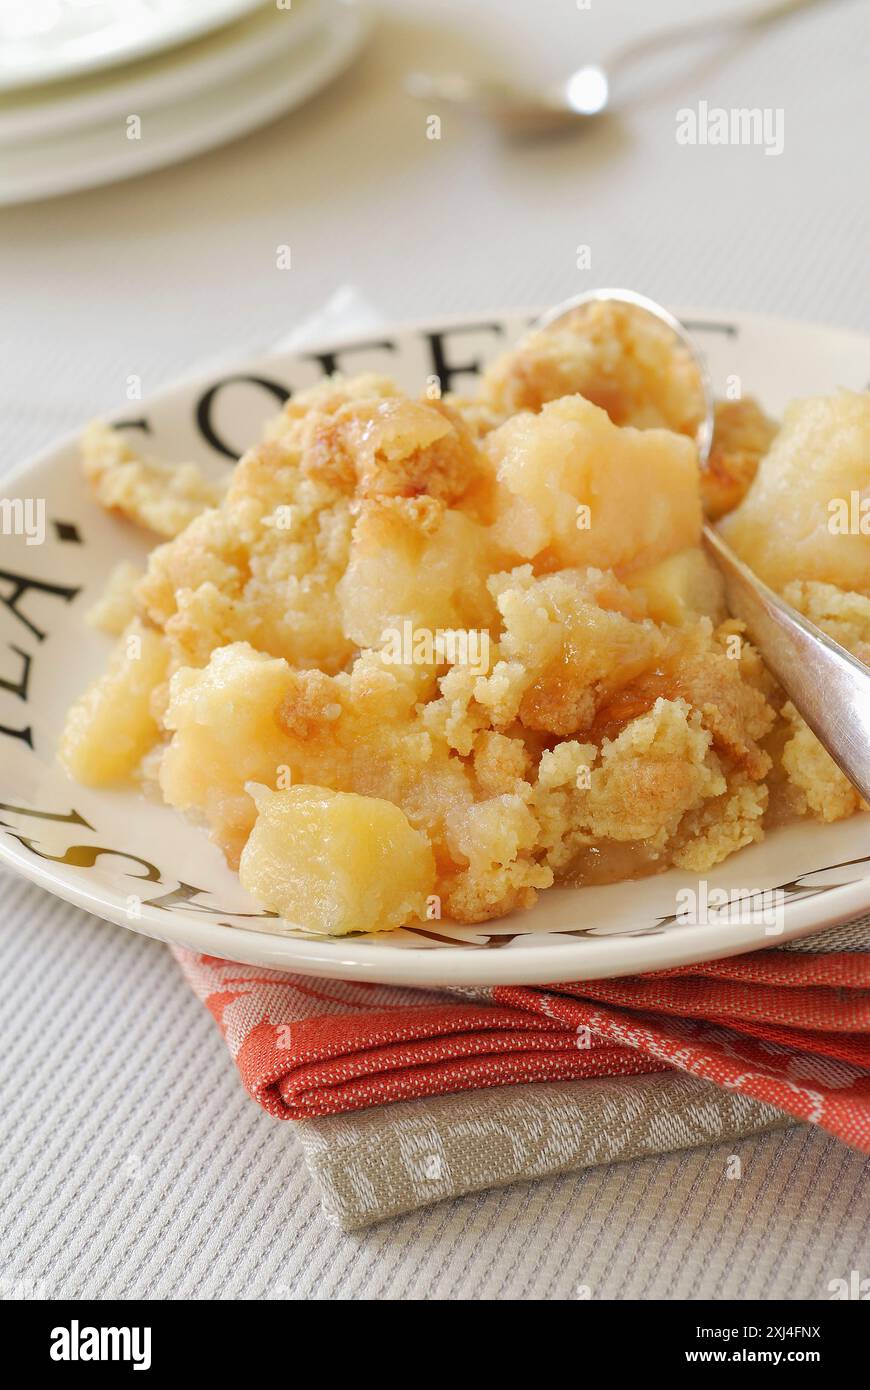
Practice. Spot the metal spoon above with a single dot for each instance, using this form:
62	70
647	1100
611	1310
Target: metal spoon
587	91
825	683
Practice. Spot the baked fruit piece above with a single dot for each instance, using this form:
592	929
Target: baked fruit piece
790	525
797	528
574	489
112	726
336	861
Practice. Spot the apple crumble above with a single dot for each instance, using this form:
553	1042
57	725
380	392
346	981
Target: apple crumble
295	668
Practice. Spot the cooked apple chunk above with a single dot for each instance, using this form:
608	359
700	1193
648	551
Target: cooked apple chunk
681	589
116	606
335	862
110	727
802	517
578	490
397	541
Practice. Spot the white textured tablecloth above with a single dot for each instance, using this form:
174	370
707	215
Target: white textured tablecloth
131	1161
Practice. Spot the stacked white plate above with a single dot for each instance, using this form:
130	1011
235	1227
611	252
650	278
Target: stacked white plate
97	90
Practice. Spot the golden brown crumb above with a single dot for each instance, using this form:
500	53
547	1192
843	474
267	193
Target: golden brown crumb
619	358
152	494
823	789
722	826
845	616
395	448
573	649
742	436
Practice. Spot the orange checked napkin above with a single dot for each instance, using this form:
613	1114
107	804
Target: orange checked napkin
788	1027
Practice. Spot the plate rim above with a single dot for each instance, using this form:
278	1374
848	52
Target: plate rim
450	965
331	46
128	87
231	12
272	355
457	965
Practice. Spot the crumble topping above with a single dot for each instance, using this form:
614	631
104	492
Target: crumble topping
268	681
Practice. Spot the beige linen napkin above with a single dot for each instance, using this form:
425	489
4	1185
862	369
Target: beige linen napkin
377	1163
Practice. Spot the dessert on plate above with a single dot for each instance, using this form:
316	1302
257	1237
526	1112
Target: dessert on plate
427	657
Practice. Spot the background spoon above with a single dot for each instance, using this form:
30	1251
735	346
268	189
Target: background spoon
589	90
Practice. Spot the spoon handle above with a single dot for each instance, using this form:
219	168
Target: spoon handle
825	683
667	39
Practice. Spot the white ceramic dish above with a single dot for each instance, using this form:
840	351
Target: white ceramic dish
141	865
46	40
180	73
101	153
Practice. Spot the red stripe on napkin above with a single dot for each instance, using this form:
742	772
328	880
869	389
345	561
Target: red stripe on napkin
791	1030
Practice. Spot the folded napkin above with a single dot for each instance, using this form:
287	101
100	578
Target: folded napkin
373	1164
778	1033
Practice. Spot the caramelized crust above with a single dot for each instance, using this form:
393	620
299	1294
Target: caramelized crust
626	362
742	436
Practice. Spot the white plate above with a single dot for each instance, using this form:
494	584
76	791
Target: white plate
45	40
116	854
37	113
102	153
